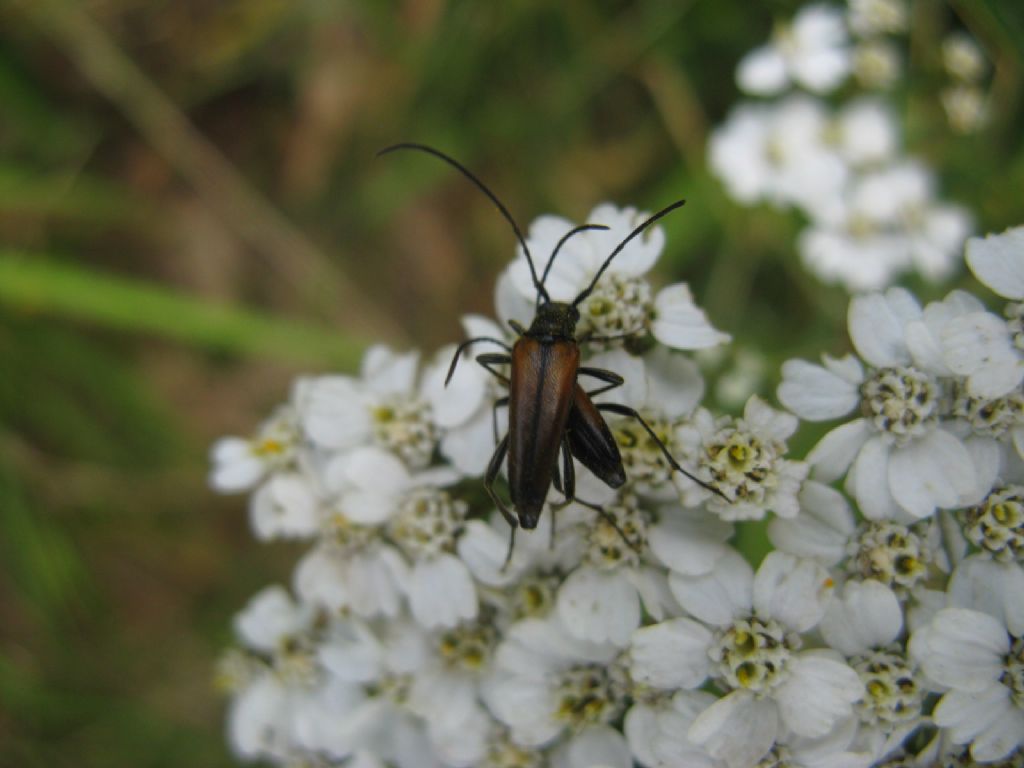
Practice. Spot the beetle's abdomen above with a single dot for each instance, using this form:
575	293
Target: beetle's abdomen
540	395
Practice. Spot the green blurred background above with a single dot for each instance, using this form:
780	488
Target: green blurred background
191	215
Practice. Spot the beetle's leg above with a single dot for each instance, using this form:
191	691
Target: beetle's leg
516	326
609	518
625	410
613	379
493	467
494	358
569	471
568	490
499	403
464	346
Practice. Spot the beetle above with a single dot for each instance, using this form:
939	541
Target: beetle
550	413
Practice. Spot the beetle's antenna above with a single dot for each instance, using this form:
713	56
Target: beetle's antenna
565	237
483	188
663	212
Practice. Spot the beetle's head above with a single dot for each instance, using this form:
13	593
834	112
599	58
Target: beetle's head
555	318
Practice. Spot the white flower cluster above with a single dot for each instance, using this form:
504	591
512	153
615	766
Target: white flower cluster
625	629
872	209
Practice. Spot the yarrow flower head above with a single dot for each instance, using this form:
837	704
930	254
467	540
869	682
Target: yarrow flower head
625	628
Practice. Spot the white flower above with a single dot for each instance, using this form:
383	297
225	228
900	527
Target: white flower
387	662
287	708
864	623
285	507
745	635
987	350
886	223
778	153
357	572
811	52
901	460
664	387
981	662
742	458
823	528
271	618
547	682
600	600
382	407
274	718
657	731
375	488
622	302
996	525
240	464
868	132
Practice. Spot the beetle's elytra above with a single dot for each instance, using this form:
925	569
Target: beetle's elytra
550	413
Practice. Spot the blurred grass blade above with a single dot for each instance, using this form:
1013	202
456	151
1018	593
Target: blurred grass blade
1008	18
31	284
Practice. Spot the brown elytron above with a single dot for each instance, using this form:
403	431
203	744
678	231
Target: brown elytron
541	385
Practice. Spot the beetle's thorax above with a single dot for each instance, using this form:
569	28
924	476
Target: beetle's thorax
554	320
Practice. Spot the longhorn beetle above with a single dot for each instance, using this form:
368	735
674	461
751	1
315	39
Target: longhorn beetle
548	409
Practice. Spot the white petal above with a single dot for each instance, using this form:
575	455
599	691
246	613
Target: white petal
720	596
762	71
822	528
935	471
870	480
877	324
387	372
483	549
766	422
470	448
285	507
257	721
640	255
376	580
791	590
998	261
968	714
441	592
598	746
599	606
865	617
978	345
269	617
526	706
688	544
455	403
1001	737
335	412
834	453
814	393
674	383
961	648
823	70
672	654
818	692
680	324
351	652
996	588
737	728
